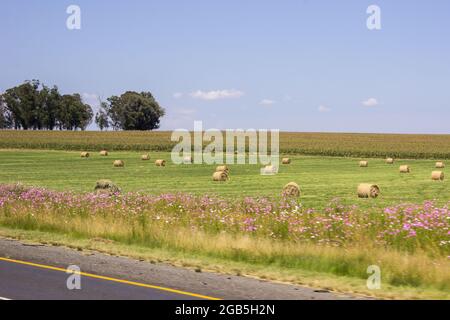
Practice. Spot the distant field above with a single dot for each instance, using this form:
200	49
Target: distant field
326	144
321	178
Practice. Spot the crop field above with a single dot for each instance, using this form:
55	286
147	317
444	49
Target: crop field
323	144
321	179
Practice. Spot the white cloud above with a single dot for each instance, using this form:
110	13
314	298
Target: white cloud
216	95
371	102
323	108
267	102
177	95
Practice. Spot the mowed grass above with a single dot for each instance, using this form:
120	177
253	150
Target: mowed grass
320	178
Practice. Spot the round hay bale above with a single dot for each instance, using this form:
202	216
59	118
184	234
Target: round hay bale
145	157
187	160
363	164
367	190
220	176
440	165
405	169
160	163
106	186
437	176
286	161
226	172
118	164
104	153
222	168
291	190
390	161
85	154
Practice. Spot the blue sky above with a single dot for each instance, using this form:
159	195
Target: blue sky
291	65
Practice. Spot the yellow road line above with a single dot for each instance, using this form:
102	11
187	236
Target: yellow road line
90	275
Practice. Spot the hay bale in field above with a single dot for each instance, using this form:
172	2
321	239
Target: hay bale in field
437	175
104	153
160	163
286	161
85	154
145	157
291	190
390	161
222	168
118	164
220	176
16	188
367	190
187	160
363	164
440	165
405	169
106	186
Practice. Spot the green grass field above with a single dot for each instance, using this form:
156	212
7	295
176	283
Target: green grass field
320	178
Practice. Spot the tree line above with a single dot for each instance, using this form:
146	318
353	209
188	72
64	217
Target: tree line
35	106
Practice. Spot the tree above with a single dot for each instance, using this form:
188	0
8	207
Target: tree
134	111
24	103
52	102
101	118
72	113
38	107
33	105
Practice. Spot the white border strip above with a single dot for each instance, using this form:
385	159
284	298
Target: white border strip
5	299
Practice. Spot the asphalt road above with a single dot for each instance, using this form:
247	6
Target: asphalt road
20	281
34	271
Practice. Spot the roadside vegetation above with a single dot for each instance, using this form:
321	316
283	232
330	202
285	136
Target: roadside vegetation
409	242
